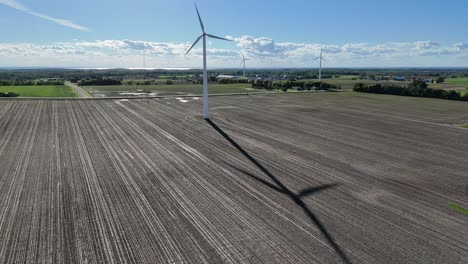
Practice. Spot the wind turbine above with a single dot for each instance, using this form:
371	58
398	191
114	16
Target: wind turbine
244	59
205	73
321	59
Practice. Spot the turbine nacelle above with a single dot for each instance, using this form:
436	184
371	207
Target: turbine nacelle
244	59
320	57
204	34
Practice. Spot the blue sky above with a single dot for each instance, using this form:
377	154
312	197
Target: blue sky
106	33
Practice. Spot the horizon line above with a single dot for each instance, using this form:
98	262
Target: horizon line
227	68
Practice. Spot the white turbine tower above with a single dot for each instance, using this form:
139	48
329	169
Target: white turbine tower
320	68
244	59
205	73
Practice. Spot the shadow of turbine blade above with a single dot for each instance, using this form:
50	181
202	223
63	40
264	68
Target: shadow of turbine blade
279	187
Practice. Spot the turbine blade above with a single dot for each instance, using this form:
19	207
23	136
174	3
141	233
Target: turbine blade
216	37
199	18
195	43
324	59
316	58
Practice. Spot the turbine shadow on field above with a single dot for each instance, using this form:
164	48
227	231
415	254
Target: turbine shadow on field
281	188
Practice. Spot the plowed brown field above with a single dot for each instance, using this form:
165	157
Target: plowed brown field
307	178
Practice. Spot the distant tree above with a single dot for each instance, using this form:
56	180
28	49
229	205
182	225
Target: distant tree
418	84
287	85
7	94
454	95
98	81
464	97
259	84
417	88
169	82
278	85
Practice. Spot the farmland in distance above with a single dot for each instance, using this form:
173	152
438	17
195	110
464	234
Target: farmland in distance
40	91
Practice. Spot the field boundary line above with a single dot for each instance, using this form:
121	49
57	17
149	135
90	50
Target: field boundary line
79	91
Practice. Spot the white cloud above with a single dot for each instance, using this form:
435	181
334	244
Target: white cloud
257	46
262	52
357	49
127	46
426	45
461	46
18	6
266	47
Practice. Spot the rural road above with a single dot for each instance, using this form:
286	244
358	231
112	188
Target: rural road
78	90
315	178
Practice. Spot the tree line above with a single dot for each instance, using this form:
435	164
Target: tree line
282	85
99	81
303	85
30	82
8	94
417	89
232	81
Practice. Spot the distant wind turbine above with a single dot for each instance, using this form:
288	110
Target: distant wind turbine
244	59
321	59
205	73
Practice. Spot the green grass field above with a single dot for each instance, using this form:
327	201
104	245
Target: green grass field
175	89
40	91
457	81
